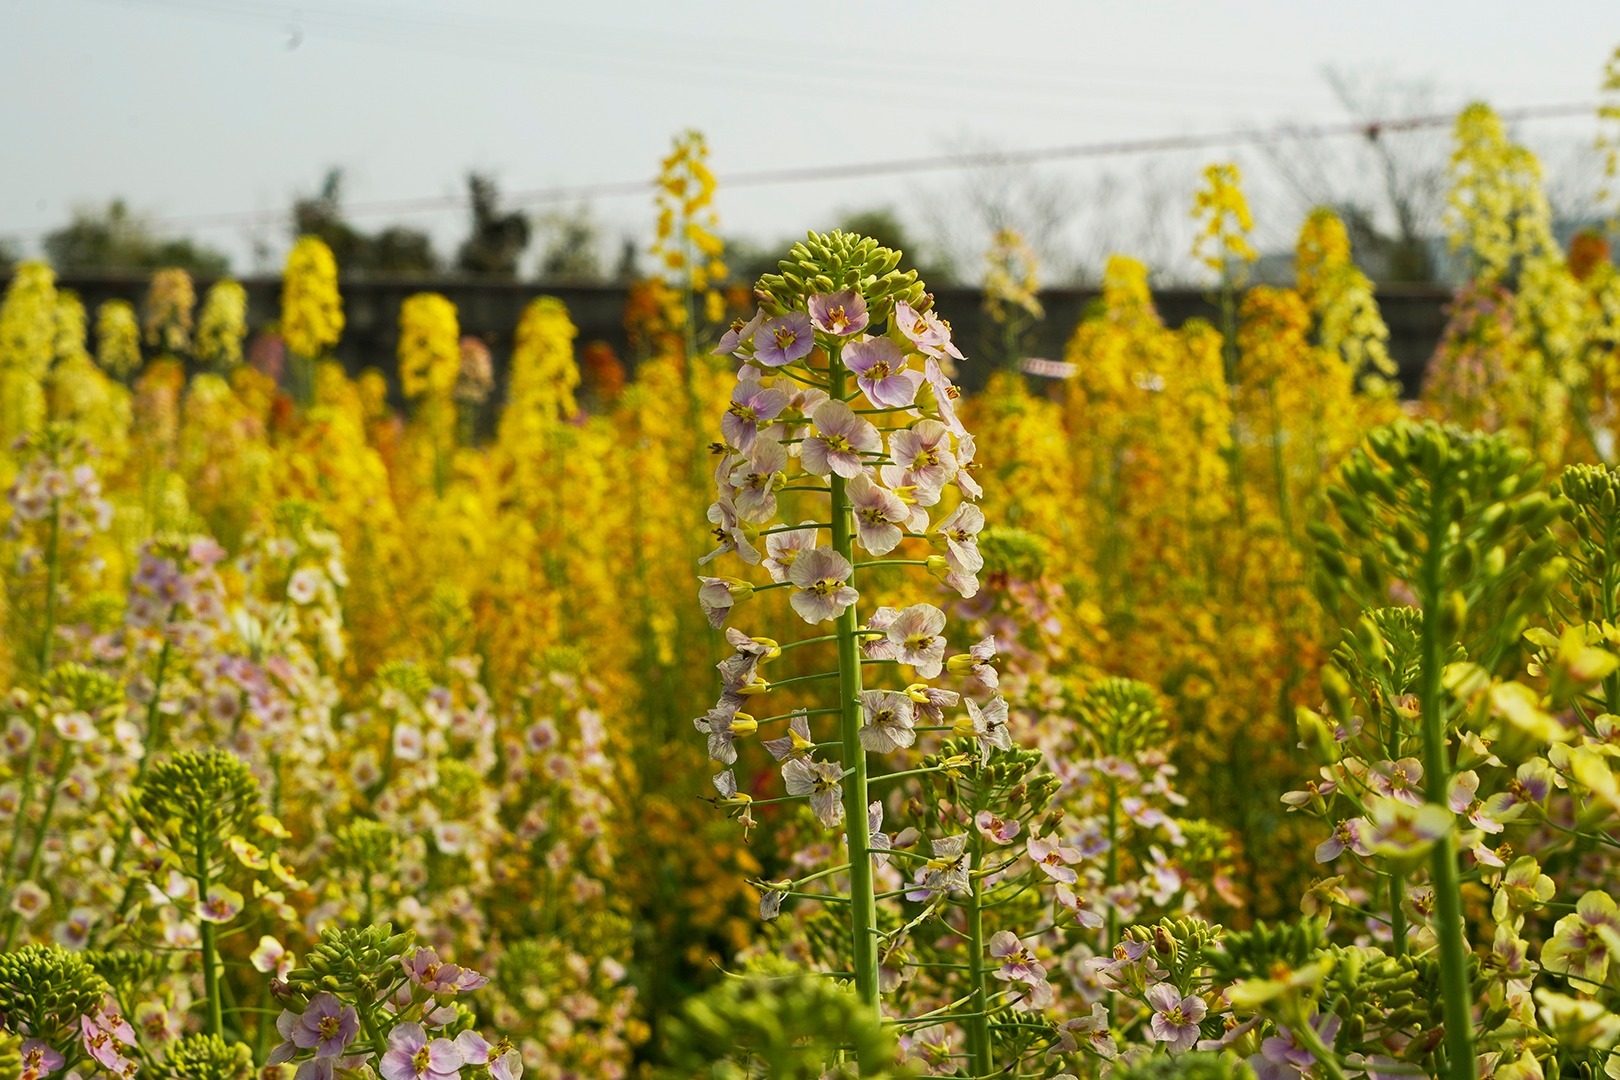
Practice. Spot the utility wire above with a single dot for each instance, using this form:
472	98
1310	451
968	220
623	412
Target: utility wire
1367	129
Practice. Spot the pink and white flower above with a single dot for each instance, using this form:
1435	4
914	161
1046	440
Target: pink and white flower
841	438
839	314
880	515
988	724
783	549
411	1055
1055	860
823	590
784	339
1175	1018
755	481
881	372
916	636
890	718
821	781
921	460
751	406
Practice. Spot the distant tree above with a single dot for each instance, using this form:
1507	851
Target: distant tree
749	259
397	250
9	256
572	251
627	268
117	238
1389	187
497	240
983	200
321	215
402	251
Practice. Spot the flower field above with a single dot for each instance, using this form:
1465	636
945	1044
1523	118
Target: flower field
770	707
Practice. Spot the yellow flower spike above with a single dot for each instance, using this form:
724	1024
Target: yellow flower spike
1226	221
311	308
221	325
118	339
167	315
429	346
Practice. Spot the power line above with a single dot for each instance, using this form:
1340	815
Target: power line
1368	129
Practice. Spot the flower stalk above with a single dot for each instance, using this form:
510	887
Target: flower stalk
863	905
1454	981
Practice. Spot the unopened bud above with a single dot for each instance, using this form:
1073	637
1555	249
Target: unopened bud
1315	737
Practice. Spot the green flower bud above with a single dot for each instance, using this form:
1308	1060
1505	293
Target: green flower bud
206	1057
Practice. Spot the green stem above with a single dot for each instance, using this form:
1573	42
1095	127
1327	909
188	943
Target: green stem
1611	683
1278	465
1397	915
1112	878
1448	921
53	578
1326	1058
53	574
979	1028
379	1044
210	950
153	714
63	759
863	906
1229	362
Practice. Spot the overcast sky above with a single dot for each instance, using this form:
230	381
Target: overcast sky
193	107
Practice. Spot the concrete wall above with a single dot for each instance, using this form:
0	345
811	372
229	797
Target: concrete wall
490	310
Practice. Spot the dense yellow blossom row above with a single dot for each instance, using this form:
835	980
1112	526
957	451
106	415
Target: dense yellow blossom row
1169	484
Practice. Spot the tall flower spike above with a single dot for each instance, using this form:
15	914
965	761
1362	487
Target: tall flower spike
843	420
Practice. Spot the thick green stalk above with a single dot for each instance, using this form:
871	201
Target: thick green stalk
1397	914
862	905
53	575
63	761
1112	878
979	1025
1229	364
1279	466
1611	610
210	950
154	714
53	578
1448	922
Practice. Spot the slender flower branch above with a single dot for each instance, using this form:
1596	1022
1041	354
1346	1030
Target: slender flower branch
863	908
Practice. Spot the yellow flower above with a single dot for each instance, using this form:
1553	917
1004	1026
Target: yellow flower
118	339
27	342
1223	212
429	346
1496	210
311	309
222	325
167	319
687	241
